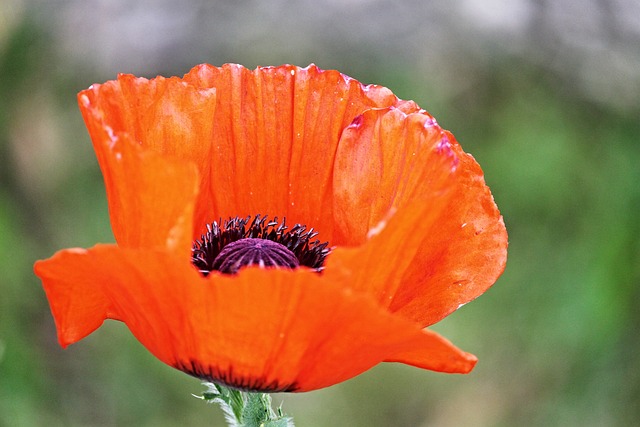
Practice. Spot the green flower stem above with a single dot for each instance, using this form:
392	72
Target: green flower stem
246	409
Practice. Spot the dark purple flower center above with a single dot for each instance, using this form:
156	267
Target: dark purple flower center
270	244
250	251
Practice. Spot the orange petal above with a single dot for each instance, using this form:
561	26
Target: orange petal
386	161
460	258
262	329
177	120
151	198
391	179
166	116
276	131
403	189
78	306
435	353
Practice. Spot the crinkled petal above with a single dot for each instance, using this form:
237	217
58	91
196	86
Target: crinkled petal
387	161
460	258
151	197
262	329
391	180
404	194
162	118
276	130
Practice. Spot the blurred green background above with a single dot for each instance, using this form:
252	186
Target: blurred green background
546	95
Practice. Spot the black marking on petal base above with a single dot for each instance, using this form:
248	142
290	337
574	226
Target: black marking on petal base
297	241
228	378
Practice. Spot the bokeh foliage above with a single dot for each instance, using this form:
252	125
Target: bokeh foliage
556	337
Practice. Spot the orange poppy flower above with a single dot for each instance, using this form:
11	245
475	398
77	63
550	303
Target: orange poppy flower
412	230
